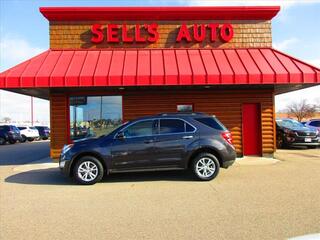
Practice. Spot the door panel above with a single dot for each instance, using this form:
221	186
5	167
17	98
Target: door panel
251	129
136	148
172	142
132	152
170	149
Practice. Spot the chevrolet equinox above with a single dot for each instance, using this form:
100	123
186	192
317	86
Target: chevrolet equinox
168	141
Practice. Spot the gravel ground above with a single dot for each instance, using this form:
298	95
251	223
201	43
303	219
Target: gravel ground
274	201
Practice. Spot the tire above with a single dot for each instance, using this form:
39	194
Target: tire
83	164
11	141
2	141
44	138
23	138
205	158
30	139
280	142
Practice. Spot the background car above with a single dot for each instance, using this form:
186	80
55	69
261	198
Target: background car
293	133
9	133
313	123
44	132
28	133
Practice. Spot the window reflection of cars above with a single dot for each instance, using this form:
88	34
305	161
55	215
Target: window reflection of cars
293	133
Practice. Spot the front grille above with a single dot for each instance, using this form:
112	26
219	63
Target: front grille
306	134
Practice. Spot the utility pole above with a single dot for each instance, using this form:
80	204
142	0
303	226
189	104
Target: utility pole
31	111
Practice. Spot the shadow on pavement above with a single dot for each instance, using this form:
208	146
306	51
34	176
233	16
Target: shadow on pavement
150	176
52	176
48	176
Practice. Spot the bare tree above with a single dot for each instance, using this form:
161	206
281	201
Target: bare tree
301	110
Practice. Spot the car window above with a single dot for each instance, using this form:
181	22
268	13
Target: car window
212	122
139	129
33	128
22	128
189	128
315	123
172	126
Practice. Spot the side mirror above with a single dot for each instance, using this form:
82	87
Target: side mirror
121	136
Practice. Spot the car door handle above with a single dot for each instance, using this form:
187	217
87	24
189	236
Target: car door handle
148	141
187	137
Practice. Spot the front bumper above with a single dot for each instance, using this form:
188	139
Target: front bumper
64	165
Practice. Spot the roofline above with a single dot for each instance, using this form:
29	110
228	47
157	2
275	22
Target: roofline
159	13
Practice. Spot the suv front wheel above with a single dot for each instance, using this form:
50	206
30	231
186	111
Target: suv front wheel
205	166
88	170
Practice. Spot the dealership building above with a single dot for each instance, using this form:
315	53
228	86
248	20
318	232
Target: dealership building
108	65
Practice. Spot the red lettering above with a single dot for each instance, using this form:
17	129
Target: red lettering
199	37
183	33
213	31
96	30
125	37
138	34
226	32
153	32
112	33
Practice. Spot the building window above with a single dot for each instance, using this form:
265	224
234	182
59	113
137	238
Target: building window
185	108
94	115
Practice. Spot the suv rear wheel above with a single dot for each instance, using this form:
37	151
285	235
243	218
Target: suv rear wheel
88	170
205	166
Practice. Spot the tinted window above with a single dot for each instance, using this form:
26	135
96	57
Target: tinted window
4	128
315	123
189	128
139	129
212	122
171	126
22	128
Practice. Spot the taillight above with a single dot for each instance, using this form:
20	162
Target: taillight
227	136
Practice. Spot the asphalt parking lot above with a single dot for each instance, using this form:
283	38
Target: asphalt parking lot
271	201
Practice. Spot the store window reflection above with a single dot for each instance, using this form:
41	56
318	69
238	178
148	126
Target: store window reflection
94	115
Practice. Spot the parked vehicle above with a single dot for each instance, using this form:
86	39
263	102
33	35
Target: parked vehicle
9	133
293	133
28	133
44	132
314	124
162	142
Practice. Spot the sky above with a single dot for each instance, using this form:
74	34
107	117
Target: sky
24	32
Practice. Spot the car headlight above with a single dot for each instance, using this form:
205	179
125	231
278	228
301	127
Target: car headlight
66	148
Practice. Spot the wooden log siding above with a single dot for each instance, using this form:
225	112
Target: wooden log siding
59	124
226	105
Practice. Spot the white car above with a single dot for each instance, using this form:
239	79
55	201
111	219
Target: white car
29	133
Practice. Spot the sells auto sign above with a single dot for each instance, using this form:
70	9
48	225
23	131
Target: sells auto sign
148	33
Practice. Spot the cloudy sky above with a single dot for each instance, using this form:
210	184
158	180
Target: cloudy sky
24	33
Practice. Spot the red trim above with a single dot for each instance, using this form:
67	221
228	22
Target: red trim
159	13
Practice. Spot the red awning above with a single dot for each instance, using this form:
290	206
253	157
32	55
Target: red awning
158	67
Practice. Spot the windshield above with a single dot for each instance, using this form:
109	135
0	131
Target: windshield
289	123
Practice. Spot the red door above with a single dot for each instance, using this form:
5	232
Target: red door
251	130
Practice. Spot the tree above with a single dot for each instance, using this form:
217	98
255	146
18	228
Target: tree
6	119
301	110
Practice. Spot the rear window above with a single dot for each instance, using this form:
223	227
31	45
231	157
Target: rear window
22	128
212	122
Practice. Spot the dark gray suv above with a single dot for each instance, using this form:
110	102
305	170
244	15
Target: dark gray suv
169	141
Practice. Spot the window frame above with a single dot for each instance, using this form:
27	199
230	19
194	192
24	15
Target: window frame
158	127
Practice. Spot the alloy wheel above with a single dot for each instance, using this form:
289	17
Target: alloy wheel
88	171
205	167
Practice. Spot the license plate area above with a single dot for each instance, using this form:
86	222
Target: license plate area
307	140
